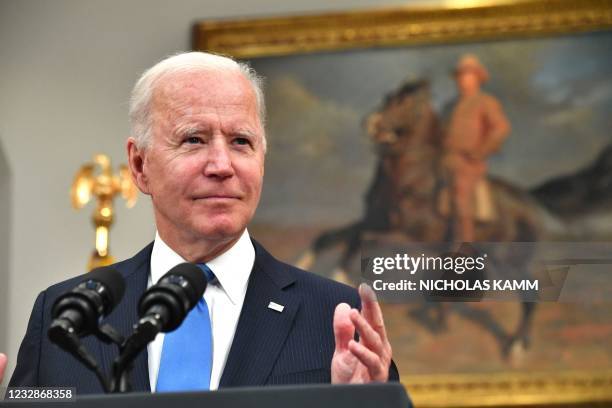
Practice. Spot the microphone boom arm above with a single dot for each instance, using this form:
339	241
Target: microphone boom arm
144	332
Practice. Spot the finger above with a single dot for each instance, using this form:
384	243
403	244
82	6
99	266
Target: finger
344	330
343	366
370	360
370	309
3	360
367	335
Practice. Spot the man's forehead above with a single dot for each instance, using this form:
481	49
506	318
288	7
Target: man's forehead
203	87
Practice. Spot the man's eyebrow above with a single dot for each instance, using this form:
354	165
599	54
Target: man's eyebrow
245	131
189	129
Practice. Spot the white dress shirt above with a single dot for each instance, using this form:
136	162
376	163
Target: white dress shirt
224	299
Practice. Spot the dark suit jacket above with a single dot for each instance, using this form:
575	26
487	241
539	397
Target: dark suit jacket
292	347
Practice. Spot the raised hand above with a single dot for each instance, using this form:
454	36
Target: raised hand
369	358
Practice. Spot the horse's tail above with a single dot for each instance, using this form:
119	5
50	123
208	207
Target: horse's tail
588	189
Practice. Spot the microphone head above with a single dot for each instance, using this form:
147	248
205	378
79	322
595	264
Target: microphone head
112	281
81	309
174	295
192	274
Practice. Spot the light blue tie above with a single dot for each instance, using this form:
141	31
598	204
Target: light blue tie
186	358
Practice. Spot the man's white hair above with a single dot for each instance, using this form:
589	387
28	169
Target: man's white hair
141	98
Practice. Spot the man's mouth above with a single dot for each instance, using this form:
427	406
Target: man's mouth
220	197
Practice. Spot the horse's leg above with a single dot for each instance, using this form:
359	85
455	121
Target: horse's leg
518	263
527	232
432	315
341	274
523	329
488	322
523	271
323	242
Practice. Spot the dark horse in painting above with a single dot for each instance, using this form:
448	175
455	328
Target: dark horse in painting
404	199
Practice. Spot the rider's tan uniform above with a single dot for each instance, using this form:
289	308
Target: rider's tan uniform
476	129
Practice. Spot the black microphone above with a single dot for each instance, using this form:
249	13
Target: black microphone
79	311
162	308
167	303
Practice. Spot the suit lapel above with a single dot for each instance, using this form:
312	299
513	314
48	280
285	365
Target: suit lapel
135	272
261	331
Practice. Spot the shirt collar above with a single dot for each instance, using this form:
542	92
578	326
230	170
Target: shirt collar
232	268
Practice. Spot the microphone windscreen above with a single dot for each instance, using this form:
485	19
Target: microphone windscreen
192	274
112	280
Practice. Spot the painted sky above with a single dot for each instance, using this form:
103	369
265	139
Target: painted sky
557	93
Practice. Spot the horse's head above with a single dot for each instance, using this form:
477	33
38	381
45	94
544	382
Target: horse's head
405	116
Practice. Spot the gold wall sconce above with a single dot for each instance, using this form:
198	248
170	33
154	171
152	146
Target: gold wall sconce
96	180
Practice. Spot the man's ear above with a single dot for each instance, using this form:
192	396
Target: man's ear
136	161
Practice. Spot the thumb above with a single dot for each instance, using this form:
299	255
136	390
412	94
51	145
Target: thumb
344	329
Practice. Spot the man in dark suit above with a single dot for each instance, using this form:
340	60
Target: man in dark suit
198	149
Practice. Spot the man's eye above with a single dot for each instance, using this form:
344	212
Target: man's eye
243	141
193	140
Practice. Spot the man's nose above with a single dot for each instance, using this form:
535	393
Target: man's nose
219	161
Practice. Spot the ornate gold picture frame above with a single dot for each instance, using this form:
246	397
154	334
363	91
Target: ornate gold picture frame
249	38
410	26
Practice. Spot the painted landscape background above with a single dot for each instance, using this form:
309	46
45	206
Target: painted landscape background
557	94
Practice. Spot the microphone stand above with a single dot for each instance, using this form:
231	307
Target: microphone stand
66	338
144	332
107	334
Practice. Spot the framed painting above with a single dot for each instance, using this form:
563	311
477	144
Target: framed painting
361	110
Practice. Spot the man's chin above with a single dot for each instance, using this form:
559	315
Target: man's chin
221	231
